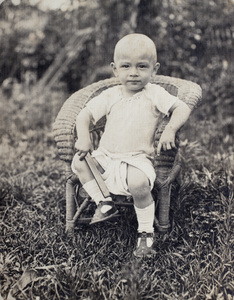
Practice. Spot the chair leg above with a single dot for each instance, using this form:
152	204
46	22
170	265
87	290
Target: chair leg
70	205
71	182
163	199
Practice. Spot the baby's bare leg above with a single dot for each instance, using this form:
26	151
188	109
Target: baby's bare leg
106	209
139	188
138	185
83	170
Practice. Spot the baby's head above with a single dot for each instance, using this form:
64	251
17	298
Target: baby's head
136	43
135	60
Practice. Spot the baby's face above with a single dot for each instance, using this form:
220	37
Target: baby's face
134	69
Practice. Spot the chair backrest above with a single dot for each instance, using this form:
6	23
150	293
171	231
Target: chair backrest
64	125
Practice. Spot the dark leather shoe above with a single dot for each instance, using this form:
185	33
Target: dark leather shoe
99	216
143	250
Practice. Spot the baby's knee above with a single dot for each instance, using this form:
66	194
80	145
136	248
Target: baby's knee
77	164
142	189
139	185
81	169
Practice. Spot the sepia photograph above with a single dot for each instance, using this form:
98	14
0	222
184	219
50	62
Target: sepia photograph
116	149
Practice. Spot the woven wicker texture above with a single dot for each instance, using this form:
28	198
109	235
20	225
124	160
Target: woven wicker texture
64	126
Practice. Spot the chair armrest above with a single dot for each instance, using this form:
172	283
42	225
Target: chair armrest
64	125
185	90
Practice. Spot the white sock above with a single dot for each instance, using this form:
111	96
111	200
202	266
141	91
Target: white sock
145	218
94	192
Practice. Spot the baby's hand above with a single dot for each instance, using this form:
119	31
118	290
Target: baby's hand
167	140
83	146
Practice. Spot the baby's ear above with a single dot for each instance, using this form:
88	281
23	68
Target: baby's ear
114	69
156	67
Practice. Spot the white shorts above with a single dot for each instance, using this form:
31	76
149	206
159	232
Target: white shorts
115	169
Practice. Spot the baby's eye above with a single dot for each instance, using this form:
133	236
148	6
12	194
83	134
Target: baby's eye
142	66
125	66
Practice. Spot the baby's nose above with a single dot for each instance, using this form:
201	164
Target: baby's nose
134	72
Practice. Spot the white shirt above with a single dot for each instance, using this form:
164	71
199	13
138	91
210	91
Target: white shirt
131	122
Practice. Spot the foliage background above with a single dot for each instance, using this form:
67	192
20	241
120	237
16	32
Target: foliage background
194	39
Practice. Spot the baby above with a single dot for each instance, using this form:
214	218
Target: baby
124	157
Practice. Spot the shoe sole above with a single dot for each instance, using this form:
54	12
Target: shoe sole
144	255
114	215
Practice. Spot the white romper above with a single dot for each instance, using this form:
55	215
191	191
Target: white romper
129	132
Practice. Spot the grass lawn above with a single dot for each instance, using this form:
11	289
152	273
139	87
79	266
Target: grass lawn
39	261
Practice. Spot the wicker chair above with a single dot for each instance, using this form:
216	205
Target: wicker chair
167	165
